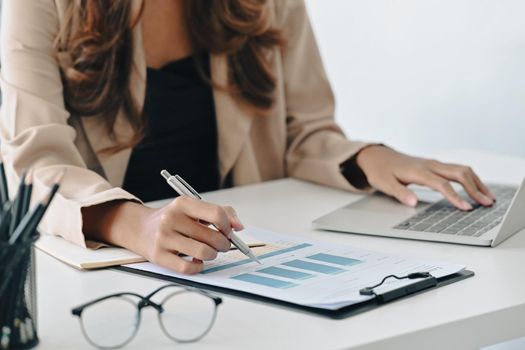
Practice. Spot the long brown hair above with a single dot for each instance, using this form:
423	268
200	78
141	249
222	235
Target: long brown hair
95	51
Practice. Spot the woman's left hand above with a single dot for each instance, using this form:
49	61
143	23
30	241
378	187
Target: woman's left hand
390	172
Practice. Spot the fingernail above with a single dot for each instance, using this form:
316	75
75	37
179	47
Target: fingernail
486	200
466	205
412	201
238	222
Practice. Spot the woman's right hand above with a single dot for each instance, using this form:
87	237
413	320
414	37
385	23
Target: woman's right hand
162	235
177	229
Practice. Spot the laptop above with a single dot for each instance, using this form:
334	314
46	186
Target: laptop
440	221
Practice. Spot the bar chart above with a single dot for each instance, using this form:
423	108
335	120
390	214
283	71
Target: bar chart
294	272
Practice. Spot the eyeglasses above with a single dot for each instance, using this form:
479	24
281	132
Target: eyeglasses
185	315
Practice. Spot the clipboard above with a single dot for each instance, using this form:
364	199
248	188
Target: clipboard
337	314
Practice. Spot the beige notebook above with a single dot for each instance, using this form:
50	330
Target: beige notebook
87	259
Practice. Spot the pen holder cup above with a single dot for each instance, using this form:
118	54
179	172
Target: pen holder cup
17	296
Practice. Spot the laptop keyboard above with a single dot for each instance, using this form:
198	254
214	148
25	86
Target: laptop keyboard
443	217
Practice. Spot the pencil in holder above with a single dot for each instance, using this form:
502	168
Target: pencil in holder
18	309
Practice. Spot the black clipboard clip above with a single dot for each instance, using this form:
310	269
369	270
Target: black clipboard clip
428	281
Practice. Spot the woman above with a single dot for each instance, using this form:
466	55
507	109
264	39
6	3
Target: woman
224	92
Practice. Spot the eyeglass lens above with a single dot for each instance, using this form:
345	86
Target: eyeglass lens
110	323
187	316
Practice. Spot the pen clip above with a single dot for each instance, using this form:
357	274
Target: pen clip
187	186
177	185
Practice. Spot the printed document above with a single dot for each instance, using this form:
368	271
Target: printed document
307	272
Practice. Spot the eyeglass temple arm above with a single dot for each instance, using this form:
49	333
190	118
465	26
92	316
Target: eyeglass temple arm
144	301
217	300
77	311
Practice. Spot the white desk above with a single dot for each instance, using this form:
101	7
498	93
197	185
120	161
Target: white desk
479	311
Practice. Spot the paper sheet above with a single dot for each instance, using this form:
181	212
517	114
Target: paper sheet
307	272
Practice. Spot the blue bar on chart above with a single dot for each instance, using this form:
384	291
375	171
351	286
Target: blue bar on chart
306	265
285	250
264	281
292	274
334	259
260	257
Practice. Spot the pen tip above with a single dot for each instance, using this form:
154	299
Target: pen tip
165	174
254	258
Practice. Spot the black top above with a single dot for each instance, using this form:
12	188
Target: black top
180	135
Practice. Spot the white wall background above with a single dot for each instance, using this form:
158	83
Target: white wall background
427	75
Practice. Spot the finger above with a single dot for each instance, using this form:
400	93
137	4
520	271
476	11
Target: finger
438	183
198	209
178	264
483	187
464	176
394	188
201	233
190	247
234	219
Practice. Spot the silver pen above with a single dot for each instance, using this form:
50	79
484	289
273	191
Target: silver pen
184	189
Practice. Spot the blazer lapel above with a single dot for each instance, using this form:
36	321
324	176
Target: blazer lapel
137	84
233	119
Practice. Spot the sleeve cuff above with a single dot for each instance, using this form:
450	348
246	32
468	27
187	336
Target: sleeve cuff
64	216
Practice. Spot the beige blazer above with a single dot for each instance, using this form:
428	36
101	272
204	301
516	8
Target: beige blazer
299	138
